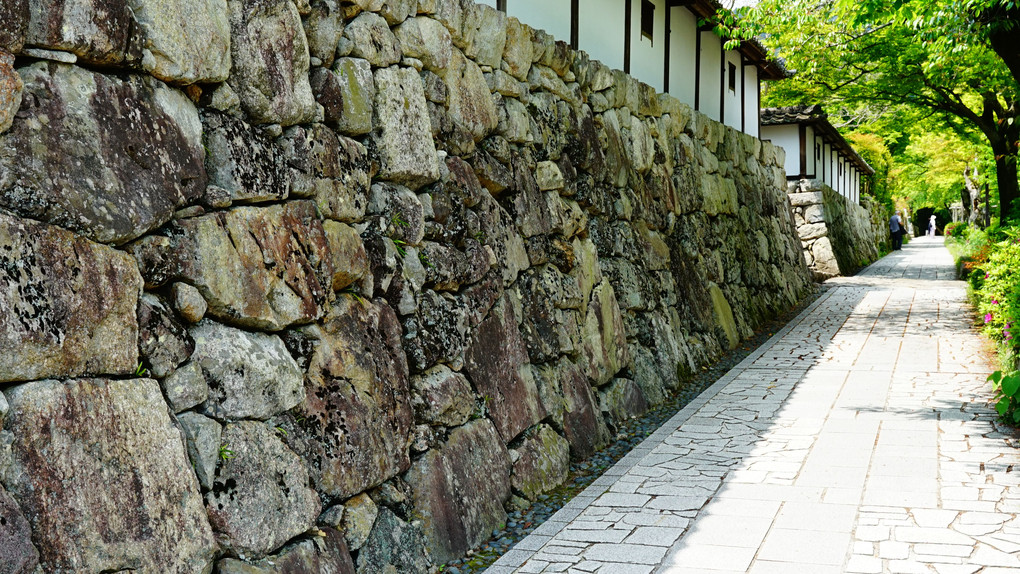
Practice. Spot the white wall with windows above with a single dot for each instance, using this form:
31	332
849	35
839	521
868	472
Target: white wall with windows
711	75
752	101
732	93
600	31
683	45
648	54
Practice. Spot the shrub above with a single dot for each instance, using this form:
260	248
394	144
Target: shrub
1007	395
955	229
997	294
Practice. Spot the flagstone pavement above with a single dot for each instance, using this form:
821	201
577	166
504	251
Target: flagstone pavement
858	439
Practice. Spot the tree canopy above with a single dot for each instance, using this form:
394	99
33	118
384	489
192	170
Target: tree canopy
886	62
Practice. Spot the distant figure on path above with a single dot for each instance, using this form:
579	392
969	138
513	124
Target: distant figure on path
897	231
931	226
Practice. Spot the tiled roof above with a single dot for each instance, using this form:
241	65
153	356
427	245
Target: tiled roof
815	116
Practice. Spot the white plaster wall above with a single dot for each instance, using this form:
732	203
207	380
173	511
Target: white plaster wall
711	75
600	30
830	166
751	108
648	57
734	104
553	16
682	47
487	2
817	150
811	167
788	138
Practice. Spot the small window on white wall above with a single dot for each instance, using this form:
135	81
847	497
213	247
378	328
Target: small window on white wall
647	19
733	77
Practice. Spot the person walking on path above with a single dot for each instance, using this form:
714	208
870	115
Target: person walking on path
931	226
897	231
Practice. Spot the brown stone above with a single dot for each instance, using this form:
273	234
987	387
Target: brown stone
101	473
459	489
19	555
497	364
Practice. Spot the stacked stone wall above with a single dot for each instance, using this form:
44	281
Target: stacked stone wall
324	286
839	237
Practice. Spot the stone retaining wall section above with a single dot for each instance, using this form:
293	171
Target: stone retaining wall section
331	285
839	237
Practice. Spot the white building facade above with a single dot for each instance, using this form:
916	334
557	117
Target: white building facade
661	43
815	149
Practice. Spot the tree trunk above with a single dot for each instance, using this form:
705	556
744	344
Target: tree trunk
971	196
1005	174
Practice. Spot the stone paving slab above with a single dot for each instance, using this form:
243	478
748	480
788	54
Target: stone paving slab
858	439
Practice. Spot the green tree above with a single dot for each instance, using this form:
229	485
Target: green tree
872	149
956	60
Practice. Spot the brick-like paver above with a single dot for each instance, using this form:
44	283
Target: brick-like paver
859	439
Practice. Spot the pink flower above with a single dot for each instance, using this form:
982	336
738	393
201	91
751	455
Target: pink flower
995	301
988	317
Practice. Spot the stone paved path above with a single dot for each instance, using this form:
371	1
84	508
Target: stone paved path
858	439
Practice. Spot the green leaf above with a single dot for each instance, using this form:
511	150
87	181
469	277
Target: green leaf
1010	384
1016	416
1002	406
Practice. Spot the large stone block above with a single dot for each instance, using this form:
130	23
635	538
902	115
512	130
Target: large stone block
403	135
14	16
250	375
605	342
326	554
20	556
333	170
459	489
108	158
101	473
347	95
483	36
11	88
323	27
354	427
394	546
243	161
427	40
259	267
69	305
497	364
518	49
270	61
163	341
541	462
442	397
261	498
97	32
185	41
372	40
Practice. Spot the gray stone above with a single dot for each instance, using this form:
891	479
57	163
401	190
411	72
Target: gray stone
403	216
243	161
347	95
518	49
483	34
20	556
459	489
722	312
188	302
14	16
69	304
11	88
360	513
394	546
720	195
163	342
270	62
442	397
333	170
396	11
605	343
469	101
203	438
260	267
127	501
104	157
568	398
541	462
403	135
436	332
260	498
323	27
497	364
326	553
373	40
99	33
806	198
250	375
350	258
354	426
184	42
427	40
622	399
186	387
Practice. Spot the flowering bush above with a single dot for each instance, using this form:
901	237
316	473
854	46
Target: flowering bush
955	229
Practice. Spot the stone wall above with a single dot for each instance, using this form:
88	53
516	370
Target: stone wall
839	237
325	286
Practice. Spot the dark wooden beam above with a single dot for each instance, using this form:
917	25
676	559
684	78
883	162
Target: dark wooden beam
665	59
575	26
697	70
802	129
501	6
743	94
626	35
722	82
